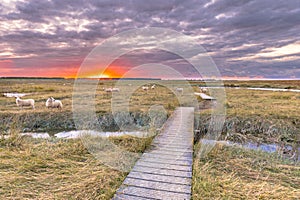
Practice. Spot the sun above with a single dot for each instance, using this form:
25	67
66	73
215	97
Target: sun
99	76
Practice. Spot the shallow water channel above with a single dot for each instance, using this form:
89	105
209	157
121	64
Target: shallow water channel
269	148
79	133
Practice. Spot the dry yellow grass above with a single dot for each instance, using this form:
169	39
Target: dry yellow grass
234	173
58	169
284	84
276	105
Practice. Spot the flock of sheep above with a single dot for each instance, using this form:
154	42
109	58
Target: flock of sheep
50	103
145	88
111	89
54	103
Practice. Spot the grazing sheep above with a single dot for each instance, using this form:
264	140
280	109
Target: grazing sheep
116	90
204	90
145	88
25	102
153	87
179	90
53	103
108	89
112	90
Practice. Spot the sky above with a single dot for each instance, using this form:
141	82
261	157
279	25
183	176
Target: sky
245	38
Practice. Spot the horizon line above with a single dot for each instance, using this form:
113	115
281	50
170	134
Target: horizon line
117	78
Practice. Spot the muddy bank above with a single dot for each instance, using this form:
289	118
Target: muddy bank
252	128
54	122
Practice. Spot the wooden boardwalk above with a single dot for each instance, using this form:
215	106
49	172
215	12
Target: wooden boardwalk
164	171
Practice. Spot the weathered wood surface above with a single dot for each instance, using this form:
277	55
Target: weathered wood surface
164	171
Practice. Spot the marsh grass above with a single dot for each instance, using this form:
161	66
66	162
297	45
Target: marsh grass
235	173
59	169
276	105
132	144
283	84
257	116
256	129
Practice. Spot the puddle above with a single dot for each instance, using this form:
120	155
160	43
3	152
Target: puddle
261	89
79	133
269	148
14	94
275	89
36	135
33	135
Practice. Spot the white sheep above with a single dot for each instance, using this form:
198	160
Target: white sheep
116	90
112	90
145	88
53	103
203	89
153	87
108	89
180	90
25	102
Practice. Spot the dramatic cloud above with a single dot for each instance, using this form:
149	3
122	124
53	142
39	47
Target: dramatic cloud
245	38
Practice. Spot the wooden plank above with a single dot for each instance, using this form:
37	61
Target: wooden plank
166	161
167	172
131	197
156	185
167	179
149	193
166	158
164	166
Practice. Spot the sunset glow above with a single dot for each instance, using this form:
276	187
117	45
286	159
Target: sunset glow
51	39
100	76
